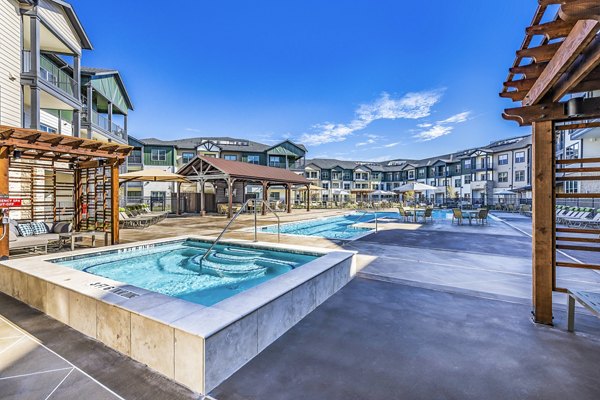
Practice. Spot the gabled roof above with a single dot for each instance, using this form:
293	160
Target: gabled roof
243	171
75	22
92	71
300	146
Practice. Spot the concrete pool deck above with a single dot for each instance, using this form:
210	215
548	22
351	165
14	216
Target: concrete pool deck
424	296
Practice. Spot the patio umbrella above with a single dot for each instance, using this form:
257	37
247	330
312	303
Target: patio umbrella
505	193
415	187
313	188
152	175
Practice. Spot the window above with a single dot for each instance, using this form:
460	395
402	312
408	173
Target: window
46	128
467	164
467	179
254	159
457	182
483	177
519	176
274	195
325	185
336	175
411	174
502	177
573	152
135	157
187	156
158	155
572	187
312	174
519	157
324	174
503	159
230	157
346	186
335	185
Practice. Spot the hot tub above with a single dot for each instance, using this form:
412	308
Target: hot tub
194	319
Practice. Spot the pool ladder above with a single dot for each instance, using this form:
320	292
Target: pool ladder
256	202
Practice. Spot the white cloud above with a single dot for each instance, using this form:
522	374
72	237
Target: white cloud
440	128
455	119
193	130
410	106
392	144
368	141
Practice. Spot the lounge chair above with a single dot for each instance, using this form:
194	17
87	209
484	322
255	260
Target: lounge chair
457	215
406	215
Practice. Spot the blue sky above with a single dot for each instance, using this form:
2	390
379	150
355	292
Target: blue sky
360	79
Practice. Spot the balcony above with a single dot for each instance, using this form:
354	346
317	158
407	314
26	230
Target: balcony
481	185
102	122
290	165
484	166
52	74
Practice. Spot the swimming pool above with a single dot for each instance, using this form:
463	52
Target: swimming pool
342	227
176	268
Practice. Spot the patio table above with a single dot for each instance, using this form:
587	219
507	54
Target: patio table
71	236
470	214
415	211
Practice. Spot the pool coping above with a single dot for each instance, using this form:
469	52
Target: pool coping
43	284
251	230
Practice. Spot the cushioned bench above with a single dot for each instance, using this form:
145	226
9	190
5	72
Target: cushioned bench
39	241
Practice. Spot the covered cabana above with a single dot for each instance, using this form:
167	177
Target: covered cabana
556	79
218	171
51	178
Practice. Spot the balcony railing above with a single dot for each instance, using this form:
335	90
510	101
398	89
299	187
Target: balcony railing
104	123
52	74
290	165
484	165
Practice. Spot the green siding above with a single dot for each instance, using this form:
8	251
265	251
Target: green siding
109	88
286	149
170	159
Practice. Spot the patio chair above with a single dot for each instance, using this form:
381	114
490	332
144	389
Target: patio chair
457	215
406	215
427	214
482	216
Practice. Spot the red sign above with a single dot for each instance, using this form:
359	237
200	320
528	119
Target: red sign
6	202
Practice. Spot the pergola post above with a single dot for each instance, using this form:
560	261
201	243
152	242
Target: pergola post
78	191
265	197
114	202
4	152
178	198
230	182
308	197
543	220
202	200
288	198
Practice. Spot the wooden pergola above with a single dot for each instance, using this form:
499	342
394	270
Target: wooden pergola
38	167
553	76
204	169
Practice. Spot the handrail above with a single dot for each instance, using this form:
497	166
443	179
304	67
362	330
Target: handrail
237	214
278	220
364	212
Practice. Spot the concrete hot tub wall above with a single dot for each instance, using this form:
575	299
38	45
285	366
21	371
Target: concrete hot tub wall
194	345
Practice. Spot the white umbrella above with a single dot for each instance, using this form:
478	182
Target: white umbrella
152	175
505	192
414	187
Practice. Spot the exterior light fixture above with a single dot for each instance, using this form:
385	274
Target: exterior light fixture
575	107
17	154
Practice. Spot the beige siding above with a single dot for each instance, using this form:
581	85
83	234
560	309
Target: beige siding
10	63
55	16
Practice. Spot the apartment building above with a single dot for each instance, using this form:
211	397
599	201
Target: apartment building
42	82
475	174
171	155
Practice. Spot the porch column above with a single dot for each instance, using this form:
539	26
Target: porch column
34	31
544	243
114	202
307	197
89	95
59	130
77	77
202	200
4	152
230	182
265	197
288	198
76	123
78	192
125	124
110	115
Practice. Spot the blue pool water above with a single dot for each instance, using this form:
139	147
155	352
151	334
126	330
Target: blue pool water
173	268
341	227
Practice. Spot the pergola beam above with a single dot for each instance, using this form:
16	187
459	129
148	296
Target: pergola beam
551	30
582	34
590	108
582	69
539	54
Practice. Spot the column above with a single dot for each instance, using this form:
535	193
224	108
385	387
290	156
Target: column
59	130
230	197
202	200
110	113
178	198
125	125
34	26
77	77
114	202
543	234
265	197
76	123
4	153
288	198
307	197
89	95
